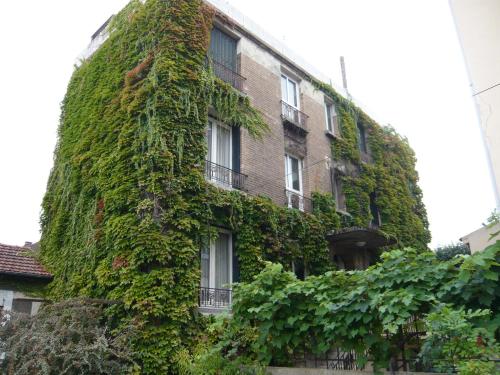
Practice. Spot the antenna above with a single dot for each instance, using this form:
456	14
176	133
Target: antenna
344	76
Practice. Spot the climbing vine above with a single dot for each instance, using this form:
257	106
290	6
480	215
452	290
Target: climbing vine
127	207
390	175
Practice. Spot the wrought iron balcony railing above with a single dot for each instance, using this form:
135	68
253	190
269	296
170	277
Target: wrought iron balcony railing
224	176
292	115
227	74
215	298
297	201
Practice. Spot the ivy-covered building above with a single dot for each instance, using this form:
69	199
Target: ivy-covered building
191	150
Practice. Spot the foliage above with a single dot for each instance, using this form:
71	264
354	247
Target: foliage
451	250
354	310
64	338
454	342
127	207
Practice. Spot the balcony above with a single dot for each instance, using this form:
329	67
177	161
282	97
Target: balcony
227	74
212	298
292	116
297	201
224	177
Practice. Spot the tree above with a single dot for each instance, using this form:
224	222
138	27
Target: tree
451	250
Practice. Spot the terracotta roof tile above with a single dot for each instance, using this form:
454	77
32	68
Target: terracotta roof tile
15	260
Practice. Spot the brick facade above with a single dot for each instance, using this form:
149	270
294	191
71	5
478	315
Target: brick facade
264	160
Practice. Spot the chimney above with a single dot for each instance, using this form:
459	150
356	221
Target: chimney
28	244
344	77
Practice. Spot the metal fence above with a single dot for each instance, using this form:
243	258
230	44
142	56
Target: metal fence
224	176
293	115
228	75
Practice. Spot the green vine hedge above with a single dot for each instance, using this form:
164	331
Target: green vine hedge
127	207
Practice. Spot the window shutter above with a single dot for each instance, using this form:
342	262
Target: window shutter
236	149
236	263
223	48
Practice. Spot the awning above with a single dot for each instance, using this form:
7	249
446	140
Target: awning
348	239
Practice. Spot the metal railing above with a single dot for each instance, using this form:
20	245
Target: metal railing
227	74
224	176
335	359
215	298
297	201
293	115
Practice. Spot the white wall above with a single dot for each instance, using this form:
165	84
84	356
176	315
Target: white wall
478	27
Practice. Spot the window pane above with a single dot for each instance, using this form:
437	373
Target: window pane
328	116
295	174
284	90
205	266
223	154
222	261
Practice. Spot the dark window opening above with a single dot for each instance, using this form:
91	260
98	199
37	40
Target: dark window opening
374	211
362	138
299	269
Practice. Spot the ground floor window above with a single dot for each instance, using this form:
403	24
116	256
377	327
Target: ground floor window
216	271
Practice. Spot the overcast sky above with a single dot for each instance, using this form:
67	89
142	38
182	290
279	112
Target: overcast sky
403	61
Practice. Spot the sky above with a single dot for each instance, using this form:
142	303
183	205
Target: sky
403	62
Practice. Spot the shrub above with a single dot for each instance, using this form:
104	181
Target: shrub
69	337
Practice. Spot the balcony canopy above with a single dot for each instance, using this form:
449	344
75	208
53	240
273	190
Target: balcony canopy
349	239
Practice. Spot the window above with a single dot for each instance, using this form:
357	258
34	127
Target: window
219	156
362	138
223	49
289	91
22	306
331	118
217	271
293	173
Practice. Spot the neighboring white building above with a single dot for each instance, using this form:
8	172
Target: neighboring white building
480	239
478	28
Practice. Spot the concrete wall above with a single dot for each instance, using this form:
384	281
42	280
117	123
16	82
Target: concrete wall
480	239
478	28
311	371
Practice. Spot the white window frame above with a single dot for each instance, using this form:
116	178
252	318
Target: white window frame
213	147
333	114
297	91
212	263
289	173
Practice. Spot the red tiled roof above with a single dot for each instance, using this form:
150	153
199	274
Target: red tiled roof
16	260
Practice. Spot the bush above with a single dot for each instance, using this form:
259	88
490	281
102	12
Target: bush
455	342
69	337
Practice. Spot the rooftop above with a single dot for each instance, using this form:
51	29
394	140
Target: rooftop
19	261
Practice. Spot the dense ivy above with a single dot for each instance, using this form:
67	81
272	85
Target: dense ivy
127	207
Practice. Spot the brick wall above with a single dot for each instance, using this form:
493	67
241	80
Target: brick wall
263	160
